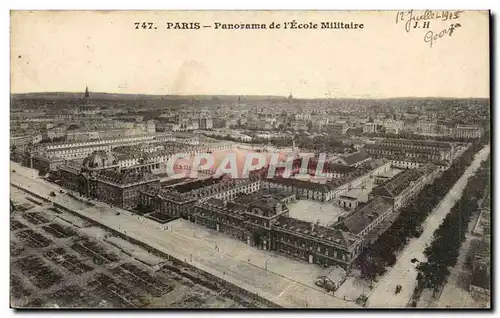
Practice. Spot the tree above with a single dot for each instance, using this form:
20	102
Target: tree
448	237
445	247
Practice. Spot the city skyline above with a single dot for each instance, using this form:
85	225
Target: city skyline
106	53
250	95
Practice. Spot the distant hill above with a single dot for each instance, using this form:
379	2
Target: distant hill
111	96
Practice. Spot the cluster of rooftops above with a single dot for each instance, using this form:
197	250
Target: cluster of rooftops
393	187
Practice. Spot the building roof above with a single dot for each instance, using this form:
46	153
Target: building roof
356	157
428	168
200	192
266	199
375	163
127	149
402	150
226	207
301	184
99	159
335	167
314	231
151	190
346	197
127	177
41	157
337	182
321	187
358	220
138	151
416	143
393	187
171	181
354	131
403	157
196	184
327	167
70	168
276	194
185	135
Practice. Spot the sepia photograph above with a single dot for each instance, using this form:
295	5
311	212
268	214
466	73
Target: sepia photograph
250	159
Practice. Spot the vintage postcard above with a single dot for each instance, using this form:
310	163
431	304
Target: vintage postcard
250	159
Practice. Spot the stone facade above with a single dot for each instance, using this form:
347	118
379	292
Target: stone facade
412	150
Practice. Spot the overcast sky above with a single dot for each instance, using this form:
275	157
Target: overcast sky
65	51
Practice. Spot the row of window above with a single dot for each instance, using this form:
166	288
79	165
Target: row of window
436	148
100	142
291	249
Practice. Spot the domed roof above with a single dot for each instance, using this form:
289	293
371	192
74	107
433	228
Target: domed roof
99	159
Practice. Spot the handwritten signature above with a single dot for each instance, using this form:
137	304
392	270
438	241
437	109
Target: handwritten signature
410	16
431	37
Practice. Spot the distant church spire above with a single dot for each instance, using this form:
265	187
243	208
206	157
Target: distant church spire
87	96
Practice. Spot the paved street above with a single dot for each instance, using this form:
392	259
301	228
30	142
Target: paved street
404	272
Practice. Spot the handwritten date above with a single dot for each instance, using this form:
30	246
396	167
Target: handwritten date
410	16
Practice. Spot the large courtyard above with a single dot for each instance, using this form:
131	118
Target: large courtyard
326	213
